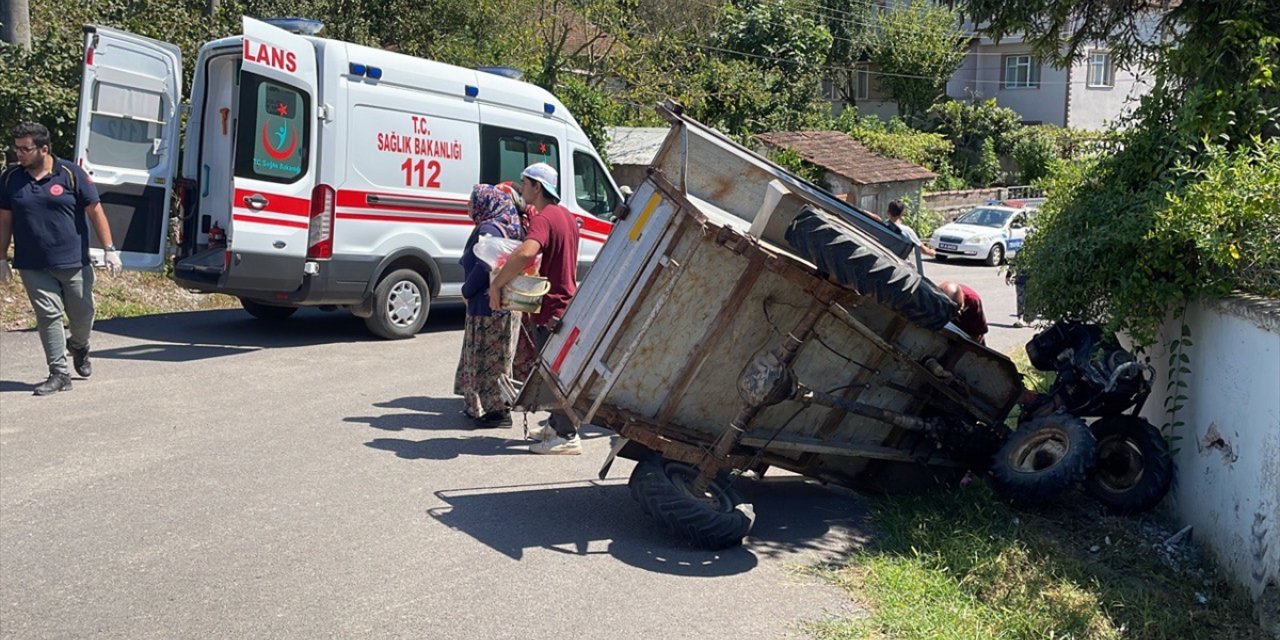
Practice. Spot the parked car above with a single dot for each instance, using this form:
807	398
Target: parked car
990	233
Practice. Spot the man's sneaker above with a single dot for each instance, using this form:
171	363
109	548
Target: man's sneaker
542	433
558	446
494	419
1019	323
56	382
80	358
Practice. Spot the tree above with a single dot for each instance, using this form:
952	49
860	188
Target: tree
15	16
1170	214
764	68
917	47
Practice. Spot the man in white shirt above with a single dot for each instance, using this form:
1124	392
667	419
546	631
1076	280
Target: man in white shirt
895	222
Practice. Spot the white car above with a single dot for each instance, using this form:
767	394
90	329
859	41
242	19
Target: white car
989	233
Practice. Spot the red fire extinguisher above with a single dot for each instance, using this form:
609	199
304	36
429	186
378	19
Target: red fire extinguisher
217	236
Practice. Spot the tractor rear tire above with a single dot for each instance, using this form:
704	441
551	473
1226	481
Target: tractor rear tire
860	263
717	520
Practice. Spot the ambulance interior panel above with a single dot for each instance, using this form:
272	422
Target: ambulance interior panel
217	147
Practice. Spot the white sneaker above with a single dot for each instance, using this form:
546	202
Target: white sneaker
1019	323
558	446
542	433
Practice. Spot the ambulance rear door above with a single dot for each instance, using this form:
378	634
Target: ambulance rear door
127	138
275	158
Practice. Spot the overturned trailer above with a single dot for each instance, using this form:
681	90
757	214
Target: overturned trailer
739	318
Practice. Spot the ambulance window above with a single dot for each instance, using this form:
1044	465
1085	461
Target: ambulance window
126	125
592	187
506	152
273	134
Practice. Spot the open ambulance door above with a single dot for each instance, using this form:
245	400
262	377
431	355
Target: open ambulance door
127	139
271	203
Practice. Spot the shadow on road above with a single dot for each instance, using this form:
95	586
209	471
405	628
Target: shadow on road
7	386
199	335
792	515
445	414
449	448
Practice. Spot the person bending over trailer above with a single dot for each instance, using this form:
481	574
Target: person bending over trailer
553	234
969	315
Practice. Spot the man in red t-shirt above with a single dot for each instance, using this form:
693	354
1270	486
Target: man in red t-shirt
969	315
553	234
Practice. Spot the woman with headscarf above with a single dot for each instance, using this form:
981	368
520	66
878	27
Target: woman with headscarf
489	337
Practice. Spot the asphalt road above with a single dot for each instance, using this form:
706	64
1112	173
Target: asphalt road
220	477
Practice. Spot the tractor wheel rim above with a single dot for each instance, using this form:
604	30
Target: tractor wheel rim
1045	450
1120	464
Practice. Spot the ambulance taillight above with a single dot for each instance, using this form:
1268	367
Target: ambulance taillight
320	231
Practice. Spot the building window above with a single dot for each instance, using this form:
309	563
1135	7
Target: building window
504	153
830	89
1021	72
592	188
861	83
274	134
1101	73
850	85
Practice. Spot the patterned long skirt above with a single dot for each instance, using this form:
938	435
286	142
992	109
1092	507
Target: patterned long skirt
488	347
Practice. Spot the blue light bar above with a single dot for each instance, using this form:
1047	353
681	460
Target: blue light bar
357	69
548	108
472	91
374	72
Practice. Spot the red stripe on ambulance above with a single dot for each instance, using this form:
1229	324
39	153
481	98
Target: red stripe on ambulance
287	205
296	224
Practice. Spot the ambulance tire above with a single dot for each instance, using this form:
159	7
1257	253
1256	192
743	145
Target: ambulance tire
267	312
863	265
401	302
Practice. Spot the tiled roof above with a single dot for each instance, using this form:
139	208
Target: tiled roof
634	145
840	154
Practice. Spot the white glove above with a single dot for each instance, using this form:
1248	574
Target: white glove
6	273
112	260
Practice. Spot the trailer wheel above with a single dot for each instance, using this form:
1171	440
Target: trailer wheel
401	302
861	263
265	311
1134	469
717	520
1043	458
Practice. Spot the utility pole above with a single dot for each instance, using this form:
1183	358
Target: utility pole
16	16
211	6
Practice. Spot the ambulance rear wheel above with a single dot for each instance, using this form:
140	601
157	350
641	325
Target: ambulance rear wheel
266	311
400	305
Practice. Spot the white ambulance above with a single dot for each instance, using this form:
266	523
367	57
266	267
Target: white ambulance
317	172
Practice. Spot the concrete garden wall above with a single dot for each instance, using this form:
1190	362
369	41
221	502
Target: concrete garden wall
1228	447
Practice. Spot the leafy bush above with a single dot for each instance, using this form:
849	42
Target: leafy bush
790	160
1148	251
592	109
967	125
1185	206
923	219
987	170
1034	151
894	139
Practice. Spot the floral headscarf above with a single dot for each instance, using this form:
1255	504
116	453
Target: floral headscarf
490	204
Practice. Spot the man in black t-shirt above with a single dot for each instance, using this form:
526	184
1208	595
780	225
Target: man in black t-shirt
46	205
